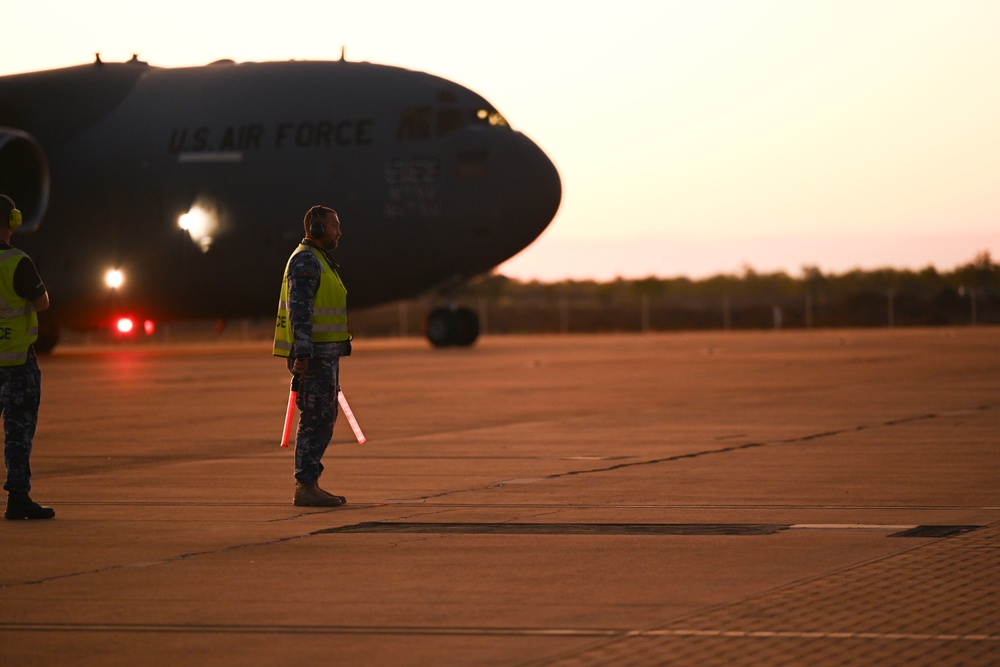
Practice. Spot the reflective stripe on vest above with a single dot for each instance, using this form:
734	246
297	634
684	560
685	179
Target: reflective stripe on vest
18	320
329	318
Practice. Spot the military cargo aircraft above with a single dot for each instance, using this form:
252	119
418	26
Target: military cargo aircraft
154	194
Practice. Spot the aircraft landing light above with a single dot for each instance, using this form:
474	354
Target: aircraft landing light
114	278
201	224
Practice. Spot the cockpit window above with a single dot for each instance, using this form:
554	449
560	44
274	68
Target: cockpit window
422	122
489	117
449	120
415	124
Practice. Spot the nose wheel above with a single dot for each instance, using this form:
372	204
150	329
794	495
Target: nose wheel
452	327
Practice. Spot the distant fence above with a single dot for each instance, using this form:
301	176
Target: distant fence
571	314
577	314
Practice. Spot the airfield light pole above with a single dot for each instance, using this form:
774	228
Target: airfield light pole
973	315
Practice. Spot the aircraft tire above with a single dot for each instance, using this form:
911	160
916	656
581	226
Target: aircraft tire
442	327
467	327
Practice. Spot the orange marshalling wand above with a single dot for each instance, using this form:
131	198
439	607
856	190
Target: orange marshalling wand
293	392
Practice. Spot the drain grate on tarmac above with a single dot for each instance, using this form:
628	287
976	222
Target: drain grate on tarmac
559	528
935	531
473	528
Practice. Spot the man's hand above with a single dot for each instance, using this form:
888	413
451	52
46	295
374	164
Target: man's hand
300	366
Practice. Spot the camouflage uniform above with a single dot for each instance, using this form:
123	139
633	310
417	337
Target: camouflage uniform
20	384
20	395
318	387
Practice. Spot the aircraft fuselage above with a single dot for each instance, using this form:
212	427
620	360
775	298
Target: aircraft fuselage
430	182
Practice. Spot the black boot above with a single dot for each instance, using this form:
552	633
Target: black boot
20	506
310	495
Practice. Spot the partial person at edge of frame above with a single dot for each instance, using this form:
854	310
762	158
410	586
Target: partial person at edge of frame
22	295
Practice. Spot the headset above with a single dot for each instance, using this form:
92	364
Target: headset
14	218
317	228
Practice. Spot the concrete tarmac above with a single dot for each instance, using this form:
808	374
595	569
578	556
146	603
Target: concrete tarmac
779	498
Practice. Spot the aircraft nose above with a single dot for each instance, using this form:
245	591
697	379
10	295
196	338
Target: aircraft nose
537	181
523	195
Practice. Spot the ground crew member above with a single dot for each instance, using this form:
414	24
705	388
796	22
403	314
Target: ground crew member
22	294
311	331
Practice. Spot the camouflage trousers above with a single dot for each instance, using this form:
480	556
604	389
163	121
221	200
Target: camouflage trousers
20	395
317	404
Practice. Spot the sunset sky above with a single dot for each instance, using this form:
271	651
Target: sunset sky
693	137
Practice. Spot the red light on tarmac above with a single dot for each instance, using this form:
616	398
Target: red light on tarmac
149	327
124	325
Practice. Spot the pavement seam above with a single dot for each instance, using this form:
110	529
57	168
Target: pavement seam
165	561
766	443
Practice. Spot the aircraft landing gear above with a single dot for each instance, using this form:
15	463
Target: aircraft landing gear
452	326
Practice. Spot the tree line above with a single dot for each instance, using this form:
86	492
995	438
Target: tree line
969	294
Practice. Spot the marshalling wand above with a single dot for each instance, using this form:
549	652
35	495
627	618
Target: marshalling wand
290	415
293	392
350	418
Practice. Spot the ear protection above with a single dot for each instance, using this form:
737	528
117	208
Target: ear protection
14	219
316	225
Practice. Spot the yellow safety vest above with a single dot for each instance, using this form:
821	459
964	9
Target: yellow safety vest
329	319
18	319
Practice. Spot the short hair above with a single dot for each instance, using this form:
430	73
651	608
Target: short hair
317	210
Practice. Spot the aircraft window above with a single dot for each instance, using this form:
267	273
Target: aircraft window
489	117
416	124
449	120
421	122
